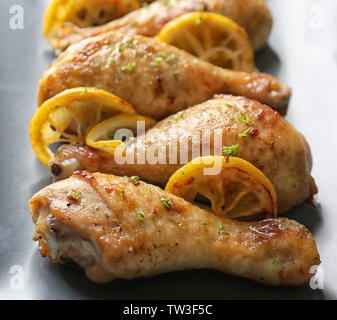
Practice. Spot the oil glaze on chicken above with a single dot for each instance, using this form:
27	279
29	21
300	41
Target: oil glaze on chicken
272	145
156	78
115	228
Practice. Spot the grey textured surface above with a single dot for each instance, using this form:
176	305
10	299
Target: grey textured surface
301	52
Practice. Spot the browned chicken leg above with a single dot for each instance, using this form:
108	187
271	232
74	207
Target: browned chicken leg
253	15
156	78
114	228
272	145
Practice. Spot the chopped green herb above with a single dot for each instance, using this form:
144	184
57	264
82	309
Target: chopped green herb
205	224
137	53
274	261
141	216
163	54
231	151
172	58
180	116
165	202
151	189
129	43
75	195
84	92
221	227
121	48
176	74
133	179
245	133
129	67
156	62
120	190
113	61
243	118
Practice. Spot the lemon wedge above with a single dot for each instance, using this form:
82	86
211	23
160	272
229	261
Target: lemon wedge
211	37
109	134
235	188
84	13
69	116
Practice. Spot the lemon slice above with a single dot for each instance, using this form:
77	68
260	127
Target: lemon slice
70	115
211	37
234	187
109	134
85	13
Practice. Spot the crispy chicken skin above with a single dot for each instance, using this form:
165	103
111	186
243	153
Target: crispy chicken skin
253	15
103	233
163	78
272	145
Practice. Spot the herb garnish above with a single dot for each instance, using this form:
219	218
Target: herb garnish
121	48
205	224
133	179
74	196
166	202
156	62
221	227
231	151
243	118
172	58
129	67
129	43
141	216
178	117
274	261
245	133
163	54
120	191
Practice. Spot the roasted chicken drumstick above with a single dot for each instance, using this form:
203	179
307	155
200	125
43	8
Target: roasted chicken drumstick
115	228
253	15
156	78
271	144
